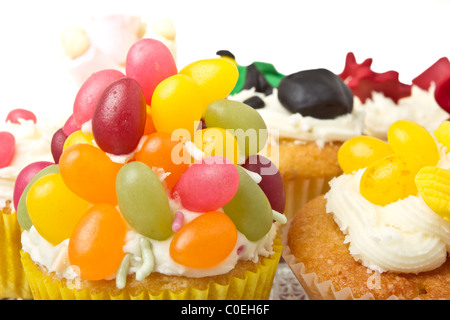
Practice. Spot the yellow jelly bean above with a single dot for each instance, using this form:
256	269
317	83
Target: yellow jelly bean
53	208
215	77
443	134
177	103
405	136
360	152
390	179
434	187
78	137
217	142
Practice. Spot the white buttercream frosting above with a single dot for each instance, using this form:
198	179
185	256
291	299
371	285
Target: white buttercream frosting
420	107
296	126
55	258
32	143
405	236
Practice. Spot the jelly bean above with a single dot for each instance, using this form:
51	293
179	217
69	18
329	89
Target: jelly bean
78	137
160	150
271	180
24	177
177	103
390	179
96	244
149	62
118	122
405	136
217	142
249	209
143	201
205	241
443	134
216	179
57	144
89	93
360	152
16	114
432	183
53	209
7	148
70	126
22	210
247	124
215	77
89	172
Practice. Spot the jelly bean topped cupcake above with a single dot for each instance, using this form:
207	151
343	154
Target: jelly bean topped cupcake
141	187
384	99
392	203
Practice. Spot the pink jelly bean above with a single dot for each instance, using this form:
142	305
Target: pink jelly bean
16	114
208	185
70	126
25	176
89	93
57	144
7	148
149	62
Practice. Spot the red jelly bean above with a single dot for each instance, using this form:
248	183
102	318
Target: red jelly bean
16	114
118	122
89	93
149	62
7	148
442	93
57	144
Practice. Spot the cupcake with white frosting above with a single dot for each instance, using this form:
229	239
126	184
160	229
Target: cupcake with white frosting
383	229
309	114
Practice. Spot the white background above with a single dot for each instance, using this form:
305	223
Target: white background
402	35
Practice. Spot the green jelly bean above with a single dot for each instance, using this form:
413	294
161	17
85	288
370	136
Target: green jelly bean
244	122
250	209
143	201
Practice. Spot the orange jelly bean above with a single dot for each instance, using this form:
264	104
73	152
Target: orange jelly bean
89	172
160	151
95	246
205	241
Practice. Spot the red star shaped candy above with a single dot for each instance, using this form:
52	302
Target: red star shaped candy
363	81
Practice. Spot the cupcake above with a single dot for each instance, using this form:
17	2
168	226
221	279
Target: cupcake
385	99
102	41
24	140
383	229
309	114
150	205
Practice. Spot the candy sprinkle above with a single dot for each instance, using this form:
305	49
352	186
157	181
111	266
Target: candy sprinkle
147	258
281	218
121	278
177	221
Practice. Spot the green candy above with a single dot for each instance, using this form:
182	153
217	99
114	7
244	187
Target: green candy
243	121
143	201
250	209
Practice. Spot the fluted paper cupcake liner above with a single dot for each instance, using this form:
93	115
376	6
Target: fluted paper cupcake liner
255	285
299	191
13	283
315	289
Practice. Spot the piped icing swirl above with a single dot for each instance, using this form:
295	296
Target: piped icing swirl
405	236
